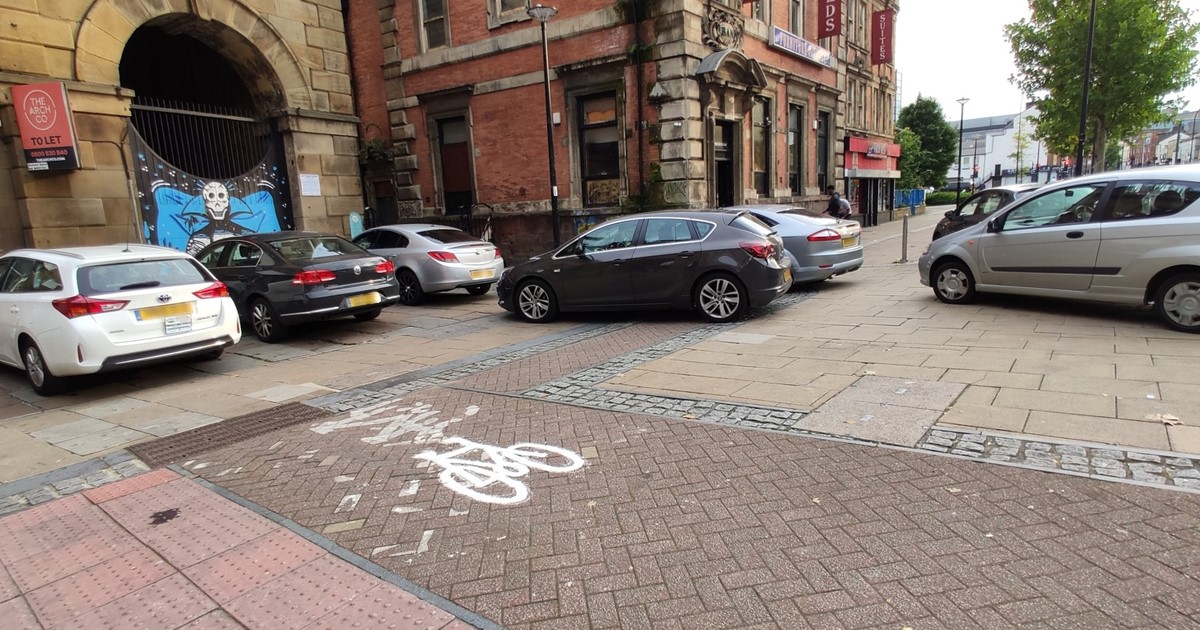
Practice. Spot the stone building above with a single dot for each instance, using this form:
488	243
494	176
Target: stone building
192	119
655	104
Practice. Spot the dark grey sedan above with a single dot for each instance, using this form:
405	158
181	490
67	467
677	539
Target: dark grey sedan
718	264
279	279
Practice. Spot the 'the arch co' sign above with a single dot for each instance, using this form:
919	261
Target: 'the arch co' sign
47	126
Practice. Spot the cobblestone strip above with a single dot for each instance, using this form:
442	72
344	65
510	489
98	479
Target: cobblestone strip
1170	470
392	388
24	493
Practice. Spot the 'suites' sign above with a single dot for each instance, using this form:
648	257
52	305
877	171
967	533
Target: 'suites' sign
881	36
47	126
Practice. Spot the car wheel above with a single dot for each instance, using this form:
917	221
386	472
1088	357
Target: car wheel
265	323
720	298
478	289
411	293
368	316
953	284
536	302
44	382
1177	302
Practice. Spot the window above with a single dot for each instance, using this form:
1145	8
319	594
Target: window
760	138
505	11
795	151
757	11
860	25
448	236
599	151
1069	205
615	236
434	23
667	231
244	255
212	257
823	175
702	228
166	272
796	15
301	250
26	276
1143	200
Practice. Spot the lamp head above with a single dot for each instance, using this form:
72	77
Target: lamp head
541	13
962	101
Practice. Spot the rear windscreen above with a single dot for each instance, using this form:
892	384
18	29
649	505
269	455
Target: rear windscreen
748	223
448	236
140	274
304	249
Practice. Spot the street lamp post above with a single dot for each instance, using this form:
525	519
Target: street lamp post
962	107
543	14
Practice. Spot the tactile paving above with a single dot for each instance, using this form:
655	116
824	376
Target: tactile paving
206	525
43	527
129	486
302	595
231	574
58	602
62	553
385	606
167	603
182	446
8	587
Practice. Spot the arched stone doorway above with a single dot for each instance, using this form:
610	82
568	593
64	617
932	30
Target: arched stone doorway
206	147
729	84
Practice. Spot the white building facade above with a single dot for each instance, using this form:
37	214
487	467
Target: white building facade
990	154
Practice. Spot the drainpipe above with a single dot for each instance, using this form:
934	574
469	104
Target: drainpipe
641	117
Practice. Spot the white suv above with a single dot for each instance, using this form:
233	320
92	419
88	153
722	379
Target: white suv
83	310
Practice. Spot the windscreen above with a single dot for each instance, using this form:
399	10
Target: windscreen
139	274
448	236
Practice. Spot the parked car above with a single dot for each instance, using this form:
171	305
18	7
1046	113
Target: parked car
819	245
280	279
1129	237
980	206
83	310
719	264
430	258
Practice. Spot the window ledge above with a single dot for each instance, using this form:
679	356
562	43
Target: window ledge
510	17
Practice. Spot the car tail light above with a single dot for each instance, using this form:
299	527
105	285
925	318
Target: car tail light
498	253
758	250
315	276
821	236
443	257
79	306
386	266
214	290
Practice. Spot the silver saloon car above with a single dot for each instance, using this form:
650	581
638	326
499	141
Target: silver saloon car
1130	237
430	258
820	246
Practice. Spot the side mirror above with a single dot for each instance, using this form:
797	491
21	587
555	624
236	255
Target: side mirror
993	225
950	214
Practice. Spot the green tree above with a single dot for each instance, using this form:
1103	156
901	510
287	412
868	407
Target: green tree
1144	50
938	140
911	156
1021	141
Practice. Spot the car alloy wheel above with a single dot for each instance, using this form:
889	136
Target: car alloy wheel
411	293
535	301
952	283
1178	302
44	382
266	325
720	299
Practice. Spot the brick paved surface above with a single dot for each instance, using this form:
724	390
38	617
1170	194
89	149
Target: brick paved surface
159	551
678	523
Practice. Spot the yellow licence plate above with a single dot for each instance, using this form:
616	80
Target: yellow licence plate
483	274
364	299
850	242
167	310
787	274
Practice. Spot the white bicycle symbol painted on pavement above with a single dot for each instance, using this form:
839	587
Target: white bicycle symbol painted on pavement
494	477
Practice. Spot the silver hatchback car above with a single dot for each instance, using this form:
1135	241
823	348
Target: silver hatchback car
1130	237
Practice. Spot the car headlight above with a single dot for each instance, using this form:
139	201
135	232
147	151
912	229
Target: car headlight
927	248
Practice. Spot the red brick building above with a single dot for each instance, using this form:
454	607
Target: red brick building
656	104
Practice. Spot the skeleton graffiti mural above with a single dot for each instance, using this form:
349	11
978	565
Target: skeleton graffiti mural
187	212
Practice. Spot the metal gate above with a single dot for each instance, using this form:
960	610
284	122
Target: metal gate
206	172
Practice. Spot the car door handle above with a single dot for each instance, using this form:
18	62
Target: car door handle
685	254
1075	234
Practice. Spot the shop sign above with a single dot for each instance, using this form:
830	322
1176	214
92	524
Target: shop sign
47	126
877	150
829	18
800	47
881	36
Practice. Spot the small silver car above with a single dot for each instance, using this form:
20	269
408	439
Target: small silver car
430	258
820	246
1130	237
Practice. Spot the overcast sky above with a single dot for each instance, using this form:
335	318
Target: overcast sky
949	49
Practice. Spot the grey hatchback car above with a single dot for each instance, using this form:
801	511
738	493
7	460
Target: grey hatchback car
719	264
1130	237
